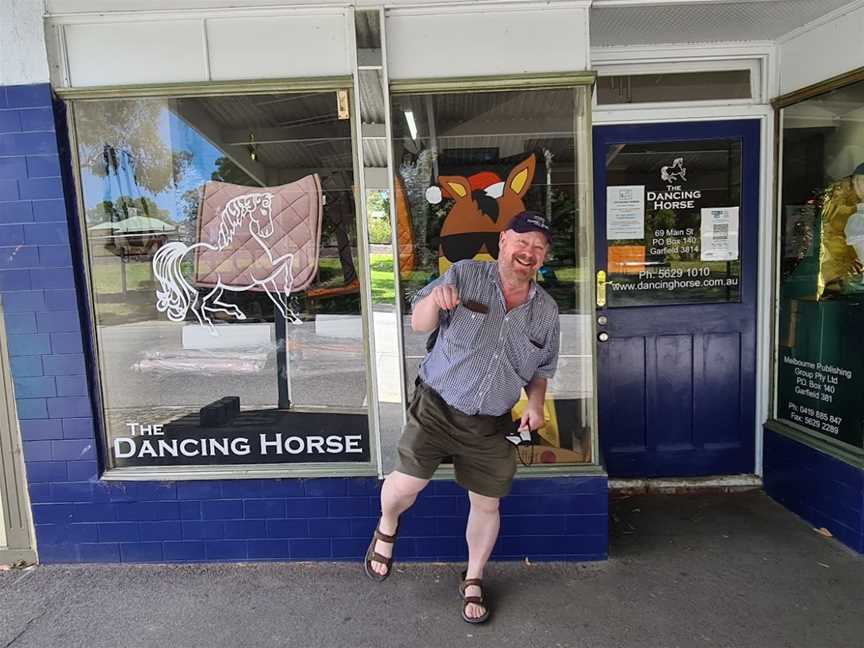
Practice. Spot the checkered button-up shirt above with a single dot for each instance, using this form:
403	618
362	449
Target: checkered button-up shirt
481	362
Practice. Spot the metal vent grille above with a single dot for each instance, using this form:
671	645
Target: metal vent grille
703	22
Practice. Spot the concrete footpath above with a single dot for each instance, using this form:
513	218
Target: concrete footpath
720	570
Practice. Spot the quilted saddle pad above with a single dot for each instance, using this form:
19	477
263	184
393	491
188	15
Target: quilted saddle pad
234	257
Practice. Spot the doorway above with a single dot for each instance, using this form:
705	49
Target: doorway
676	233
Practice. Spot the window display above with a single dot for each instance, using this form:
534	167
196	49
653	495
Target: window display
221	241
820	360
467	162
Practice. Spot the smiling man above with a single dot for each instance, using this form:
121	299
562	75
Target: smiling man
498	333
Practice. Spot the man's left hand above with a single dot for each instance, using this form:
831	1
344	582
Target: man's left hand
532	418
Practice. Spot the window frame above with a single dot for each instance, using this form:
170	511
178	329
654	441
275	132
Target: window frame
70	97
835	448
755	63
579	79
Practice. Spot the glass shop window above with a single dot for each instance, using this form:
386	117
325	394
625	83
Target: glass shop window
466	163
688	250
220	235
706	85
820	355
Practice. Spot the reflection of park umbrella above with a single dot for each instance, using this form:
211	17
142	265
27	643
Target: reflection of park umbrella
125	235
133	226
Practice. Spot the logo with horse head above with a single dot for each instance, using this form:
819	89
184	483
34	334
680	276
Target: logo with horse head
674	173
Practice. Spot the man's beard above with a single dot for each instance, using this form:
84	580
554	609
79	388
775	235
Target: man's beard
519	271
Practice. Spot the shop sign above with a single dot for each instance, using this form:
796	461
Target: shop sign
820	370
260	437
821	397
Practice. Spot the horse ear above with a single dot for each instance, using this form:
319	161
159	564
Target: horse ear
519	180
456	186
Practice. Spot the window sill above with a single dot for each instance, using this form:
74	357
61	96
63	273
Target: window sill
275	471
533	472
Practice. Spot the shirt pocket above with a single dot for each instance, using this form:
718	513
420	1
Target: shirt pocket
465	327
528	354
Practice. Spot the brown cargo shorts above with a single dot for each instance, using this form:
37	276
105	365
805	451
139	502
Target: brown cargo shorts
484	461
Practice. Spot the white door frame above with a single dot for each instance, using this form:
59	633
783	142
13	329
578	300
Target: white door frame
14	501
687	59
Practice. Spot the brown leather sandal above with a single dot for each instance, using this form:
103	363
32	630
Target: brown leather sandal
476	600
372	555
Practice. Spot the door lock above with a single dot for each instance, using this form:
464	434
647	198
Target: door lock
603	336
601	288
602	320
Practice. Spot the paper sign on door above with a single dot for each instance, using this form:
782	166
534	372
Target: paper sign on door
625	212
719	234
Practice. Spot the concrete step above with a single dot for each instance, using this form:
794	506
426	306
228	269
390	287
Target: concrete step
680	485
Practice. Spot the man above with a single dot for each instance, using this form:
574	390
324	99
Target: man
498	332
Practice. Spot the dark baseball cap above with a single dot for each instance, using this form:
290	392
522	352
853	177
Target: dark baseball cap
529	221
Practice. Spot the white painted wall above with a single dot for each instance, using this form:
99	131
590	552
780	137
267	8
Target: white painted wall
117	49
475	41
2	522
823	50
56	7
22	43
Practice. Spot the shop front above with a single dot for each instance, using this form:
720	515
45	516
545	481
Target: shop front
239	232
210	254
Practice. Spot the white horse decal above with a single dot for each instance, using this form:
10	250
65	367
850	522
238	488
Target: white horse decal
177	296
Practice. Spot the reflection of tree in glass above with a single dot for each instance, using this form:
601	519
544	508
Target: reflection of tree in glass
563	220
657	222
124	207
416	175
377	203
378	207
187	204
228	171
121	142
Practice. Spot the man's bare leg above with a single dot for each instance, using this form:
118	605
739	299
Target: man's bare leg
481	534
397	495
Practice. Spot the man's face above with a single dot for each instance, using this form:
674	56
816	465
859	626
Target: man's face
521	255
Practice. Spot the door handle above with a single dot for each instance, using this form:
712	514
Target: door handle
601	288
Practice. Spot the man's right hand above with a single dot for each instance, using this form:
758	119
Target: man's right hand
424	318
446	296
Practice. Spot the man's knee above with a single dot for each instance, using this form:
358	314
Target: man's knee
403	485
482	503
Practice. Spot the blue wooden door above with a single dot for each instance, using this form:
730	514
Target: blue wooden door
676	221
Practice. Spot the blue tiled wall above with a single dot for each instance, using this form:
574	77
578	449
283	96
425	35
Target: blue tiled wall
305	519
823	490
81	519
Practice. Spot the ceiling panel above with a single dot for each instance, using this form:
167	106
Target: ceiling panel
704	22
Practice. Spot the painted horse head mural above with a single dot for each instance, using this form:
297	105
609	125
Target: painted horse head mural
482	208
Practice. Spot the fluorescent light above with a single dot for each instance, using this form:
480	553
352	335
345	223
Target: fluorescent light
412	126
